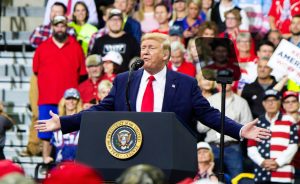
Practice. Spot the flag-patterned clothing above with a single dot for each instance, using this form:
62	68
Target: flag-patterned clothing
283	140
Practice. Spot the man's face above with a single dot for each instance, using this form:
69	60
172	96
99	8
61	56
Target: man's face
115	24
295	26
243	45
153	56
121	5
220	55
94	71
265	51
161	14
271	105
60	32
274	37
56	11
291	104
177	58
263	70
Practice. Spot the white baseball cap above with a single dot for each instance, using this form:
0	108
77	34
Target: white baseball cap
203	145
113	56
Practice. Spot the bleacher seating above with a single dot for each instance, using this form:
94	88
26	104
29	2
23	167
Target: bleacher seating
18	19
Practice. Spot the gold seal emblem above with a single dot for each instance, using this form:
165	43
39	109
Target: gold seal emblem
123	139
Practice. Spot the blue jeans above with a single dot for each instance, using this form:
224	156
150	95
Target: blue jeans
44	114
233	159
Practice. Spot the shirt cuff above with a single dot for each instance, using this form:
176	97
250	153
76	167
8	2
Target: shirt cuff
241	137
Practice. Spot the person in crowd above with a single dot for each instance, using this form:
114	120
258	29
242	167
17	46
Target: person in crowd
162	15
208	29
130	25
280	15
274	36
254	91
104	88
219	17
206	7
88	88
257	12
176	34
5	124
237	109
117	40
65	145
295	39
111	64
265	49
142	173
190	24
208	88
145	15
233	21
153	89
103	31
273	156
247	60
192	54
69	4
291	105
178	63
205	163
43	32
69	67
13	173
73	172
179	11
84	30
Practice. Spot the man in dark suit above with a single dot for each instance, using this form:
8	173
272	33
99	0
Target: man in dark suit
156	89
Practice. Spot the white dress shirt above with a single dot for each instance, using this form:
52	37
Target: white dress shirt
158	88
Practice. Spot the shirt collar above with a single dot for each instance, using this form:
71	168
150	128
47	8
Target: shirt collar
273	119
158	77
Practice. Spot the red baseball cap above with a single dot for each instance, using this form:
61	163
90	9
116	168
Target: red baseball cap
287	94
8	167
73	172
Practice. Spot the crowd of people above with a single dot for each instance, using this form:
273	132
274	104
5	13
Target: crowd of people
83	45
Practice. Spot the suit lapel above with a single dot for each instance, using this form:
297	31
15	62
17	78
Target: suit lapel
134	88
170	89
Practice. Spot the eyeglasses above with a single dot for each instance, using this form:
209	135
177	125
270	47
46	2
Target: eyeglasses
290	101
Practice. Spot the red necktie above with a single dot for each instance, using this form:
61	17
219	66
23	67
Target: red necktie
69	8
148	98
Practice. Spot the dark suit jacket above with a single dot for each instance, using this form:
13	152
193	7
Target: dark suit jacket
182	96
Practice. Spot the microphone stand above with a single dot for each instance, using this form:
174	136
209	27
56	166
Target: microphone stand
135	66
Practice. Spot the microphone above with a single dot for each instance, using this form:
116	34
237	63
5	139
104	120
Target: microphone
138	63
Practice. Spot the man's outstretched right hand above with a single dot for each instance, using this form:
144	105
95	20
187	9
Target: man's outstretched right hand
48	125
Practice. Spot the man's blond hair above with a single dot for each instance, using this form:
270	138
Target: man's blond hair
161	38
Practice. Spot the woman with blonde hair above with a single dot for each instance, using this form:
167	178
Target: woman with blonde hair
190	24
207	87
65	145
205	163
145	15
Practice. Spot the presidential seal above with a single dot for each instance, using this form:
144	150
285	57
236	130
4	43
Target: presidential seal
123	139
